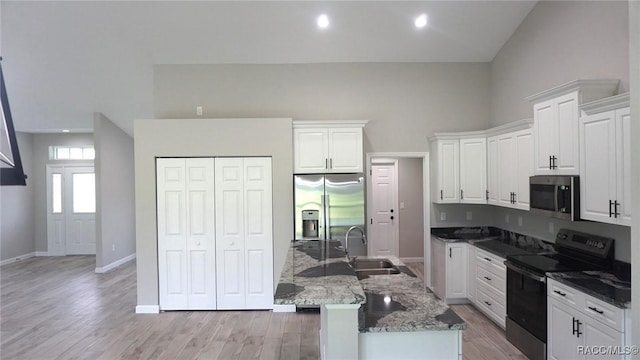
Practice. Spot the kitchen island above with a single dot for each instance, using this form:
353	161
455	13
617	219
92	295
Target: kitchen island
399	318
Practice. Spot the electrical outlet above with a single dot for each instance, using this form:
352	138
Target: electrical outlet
519	220
443	216
506	218
401	205
199	110
469	215
113	247
551	229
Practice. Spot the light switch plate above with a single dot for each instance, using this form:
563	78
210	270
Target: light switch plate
469	215
443	216
519	220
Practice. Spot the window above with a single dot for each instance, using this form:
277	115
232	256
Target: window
84	193
56	187
71	153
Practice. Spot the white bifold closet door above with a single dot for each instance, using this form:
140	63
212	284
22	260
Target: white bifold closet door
186	236
244	240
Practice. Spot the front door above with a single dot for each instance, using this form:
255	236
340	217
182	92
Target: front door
384	216
71	209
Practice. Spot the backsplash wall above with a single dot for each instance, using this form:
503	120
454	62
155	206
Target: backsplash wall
457	215
545	228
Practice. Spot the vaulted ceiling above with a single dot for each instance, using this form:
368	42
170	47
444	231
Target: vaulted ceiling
65	60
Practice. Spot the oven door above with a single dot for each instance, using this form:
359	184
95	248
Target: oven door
527	300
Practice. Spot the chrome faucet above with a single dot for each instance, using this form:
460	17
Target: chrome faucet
346	239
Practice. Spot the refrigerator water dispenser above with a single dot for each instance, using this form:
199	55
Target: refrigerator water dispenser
310	220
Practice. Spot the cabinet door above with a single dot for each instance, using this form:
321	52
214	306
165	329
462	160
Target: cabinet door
258	244
598	166
448	171
546	136
345	150
568	153
456	270
438	269
186	240
562	341
597	334
623	165
230	233
471	273
311	153
492	171
506	169
523	141
473	170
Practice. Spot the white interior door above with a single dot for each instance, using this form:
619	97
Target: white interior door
230	232
244	247
186	240
71	210
384	214
258	233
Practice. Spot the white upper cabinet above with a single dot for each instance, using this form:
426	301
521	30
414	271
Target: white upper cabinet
328	146
605	149
473	170
509	164
556	115
460	164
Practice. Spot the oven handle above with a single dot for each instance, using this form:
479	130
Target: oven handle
526	273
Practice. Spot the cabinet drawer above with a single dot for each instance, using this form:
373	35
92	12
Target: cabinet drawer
493	281
564	294
491	263
490	306
605	313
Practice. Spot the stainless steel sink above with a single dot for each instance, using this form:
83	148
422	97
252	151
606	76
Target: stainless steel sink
369	272
367	264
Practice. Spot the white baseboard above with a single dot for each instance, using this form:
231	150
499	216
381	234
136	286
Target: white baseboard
115	264
17	258
284	308
42	253
147	309
411	259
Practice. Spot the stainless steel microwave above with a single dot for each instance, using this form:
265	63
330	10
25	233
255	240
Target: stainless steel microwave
555	196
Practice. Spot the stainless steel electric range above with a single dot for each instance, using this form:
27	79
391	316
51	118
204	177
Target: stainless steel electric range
526	324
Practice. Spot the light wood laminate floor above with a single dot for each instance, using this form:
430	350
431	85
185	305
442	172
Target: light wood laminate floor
58	308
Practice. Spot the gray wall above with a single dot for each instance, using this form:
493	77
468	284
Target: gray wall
405	103
207	137
559	41
17	233
411	227
115	192
41	143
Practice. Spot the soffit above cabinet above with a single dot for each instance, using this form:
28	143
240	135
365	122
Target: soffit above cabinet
606	104
590	90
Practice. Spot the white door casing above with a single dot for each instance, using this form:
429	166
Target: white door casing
384	216
186	239
71	226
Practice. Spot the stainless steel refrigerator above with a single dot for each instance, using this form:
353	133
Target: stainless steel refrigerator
327	205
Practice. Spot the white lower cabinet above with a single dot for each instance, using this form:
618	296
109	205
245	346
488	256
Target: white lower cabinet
449	275
215	246
580	326
490	286
471	273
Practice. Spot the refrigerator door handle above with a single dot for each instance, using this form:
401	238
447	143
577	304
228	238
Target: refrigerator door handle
327	217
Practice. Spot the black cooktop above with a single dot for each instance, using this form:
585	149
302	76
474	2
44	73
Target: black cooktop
545	263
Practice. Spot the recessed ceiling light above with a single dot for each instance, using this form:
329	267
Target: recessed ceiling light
421	21
66	131
323	21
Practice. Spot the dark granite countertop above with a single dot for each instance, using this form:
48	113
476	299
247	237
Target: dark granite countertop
317	273
494	240
601	285
401	303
